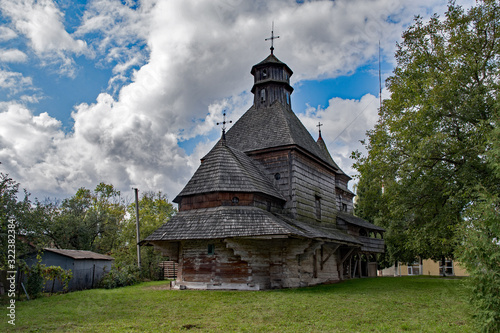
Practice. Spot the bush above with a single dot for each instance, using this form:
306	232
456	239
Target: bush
480	254
35	281
120	277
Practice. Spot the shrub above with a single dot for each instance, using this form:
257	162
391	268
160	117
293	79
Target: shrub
35	281
120	277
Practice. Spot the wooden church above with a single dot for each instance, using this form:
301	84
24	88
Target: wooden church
268	207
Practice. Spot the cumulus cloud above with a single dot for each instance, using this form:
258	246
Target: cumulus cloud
12	55
14	81
176	66
6	34
345	123
42	23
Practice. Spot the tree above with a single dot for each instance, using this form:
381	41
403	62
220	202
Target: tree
89	220
14	213
432	173
154	211
427	150
479	247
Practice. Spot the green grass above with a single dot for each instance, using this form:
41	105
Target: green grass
413	304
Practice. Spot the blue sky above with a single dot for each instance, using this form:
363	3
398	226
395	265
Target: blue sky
129	92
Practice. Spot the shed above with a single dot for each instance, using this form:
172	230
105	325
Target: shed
87	267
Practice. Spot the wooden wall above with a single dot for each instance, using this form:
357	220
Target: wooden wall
256	264
301	181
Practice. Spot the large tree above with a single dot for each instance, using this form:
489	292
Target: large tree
427	153
89	220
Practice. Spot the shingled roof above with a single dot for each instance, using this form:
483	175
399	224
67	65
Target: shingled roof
275	126
271	59
240	221
225	169
349	218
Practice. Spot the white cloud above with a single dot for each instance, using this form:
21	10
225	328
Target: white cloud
176	66
6	34
12	55
42	23
14	81
345	123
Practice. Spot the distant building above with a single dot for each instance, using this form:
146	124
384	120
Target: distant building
425	267
87	267
268	207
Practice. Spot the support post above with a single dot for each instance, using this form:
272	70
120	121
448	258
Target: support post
137	227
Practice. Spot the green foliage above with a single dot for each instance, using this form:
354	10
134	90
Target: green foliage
480	254
435	150
154	211
53	273
120	277
479	249
34	284
12	209
428	148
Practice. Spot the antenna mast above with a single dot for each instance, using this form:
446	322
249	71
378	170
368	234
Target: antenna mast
379	78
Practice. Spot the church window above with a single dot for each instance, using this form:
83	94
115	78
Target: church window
263	95
264	73
344	207
287	97
317	201
277	176
211	249
235	200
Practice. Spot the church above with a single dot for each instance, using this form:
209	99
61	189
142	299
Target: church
268	207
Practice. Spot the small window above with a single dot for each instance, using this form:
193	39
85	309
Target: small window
264	73
277	176
317	201
287	97
211	249
235	200
448	267
414	268
344	207
263	95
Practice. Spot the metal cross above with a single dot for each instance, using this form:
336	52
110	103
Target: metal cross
319	126
272	38
223	123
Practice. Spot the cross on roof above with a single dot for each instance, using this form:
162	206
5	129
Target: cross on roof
319	126
272	38
223	123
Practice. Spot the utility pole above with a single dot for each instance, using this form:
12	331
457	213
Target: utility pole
137	227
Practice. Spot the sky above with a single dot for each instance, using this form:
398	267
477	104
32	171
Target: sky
129	92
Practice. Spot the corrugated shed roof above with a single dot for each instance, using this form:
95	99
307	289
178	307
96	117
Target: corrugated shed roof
349	218
80	254
243	221
225	169
275	126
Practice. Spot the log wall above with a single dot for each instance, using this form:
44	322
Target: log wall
256	264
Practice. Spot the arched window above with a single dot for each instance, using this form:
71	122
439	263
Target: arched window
263	95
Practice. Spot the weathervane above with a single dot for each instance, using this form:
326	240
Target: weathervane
272	38
319	126
223	123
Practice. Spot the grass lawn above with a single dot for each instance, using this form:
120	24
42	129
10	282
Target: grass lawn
402	304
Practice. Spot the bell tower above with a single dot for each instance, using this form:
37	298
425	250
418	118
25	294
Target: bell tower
271	81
